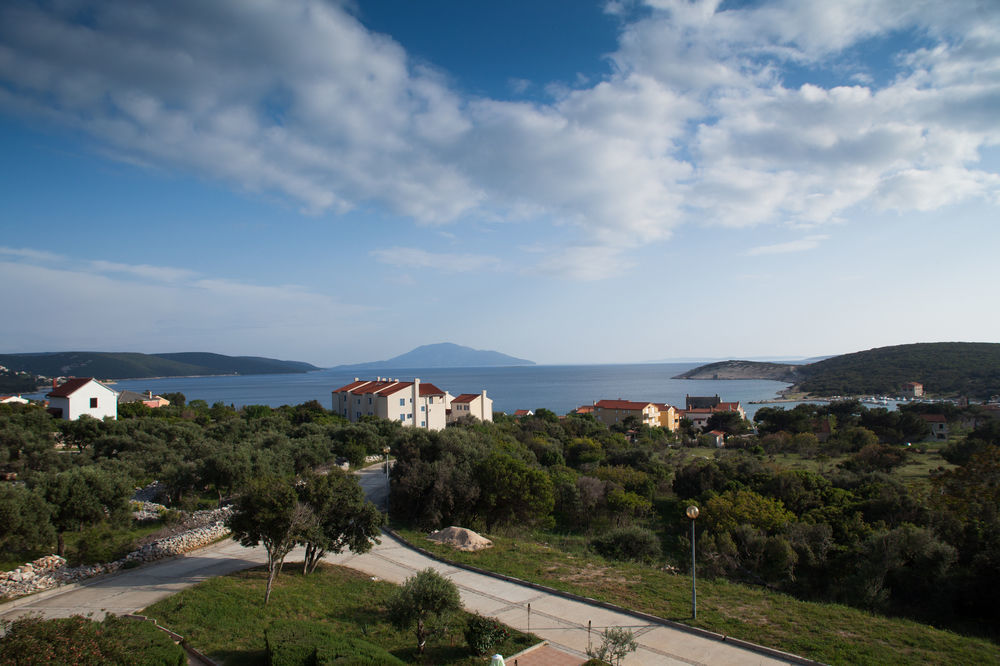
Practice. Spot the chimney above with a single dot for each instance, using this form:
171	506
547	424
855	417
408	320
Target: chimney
55	384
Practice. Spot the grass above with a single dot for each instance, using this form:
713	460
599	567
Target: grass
830	633
225	617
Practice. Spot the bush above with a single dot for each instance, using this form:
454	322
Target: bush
298	643
627	543
484	634
77	640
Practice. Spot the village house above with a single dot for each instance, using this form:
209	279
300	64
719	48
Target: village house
717	438
938	425
521	413
13	400
147	398
912	390
414	404
79	396
699	409
610	412
471	404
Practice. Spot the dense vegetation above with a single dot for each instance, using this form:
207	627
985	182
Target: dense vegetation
124	365
944	368
818	503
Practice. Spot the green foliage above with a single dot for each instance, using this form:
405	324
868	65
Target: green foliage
959	368
339	516
484	634
268	513
24	519
616	642
424	601
77	640
629	544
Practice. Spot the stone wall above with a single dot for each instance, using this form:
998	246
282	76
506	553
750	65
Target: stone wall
51	571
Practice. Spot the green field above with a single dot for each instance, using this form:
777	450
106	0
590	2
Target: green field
225	617
830	633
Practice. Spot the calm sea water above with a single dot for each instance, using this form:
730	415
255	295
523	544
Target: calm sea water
560	388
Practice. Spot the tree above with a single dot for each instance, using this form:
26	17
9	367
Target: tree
340	517
269	513
730	423
84	496
616	642
24	520
423	600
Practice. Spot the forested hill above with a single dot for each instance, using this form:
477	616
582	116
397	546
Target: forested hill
971	369
781	372
124	365
944	368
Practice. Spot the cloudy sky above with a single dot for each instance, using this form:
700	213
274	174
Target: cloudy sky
564	181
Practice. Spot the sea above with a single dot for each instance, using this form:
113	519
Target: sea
559	388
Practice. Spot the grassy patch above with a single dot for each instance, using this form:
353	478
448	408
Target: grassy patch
95	545
225	617
829	633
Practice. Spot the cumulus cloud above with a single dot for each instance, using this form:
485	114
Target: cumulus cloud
694	124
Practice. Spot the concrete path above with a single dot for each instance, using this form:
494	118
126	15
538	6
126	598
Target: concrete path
563	622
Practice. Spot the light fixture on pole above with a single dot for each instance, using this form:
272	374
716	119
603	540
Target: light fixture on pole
385	450
692	513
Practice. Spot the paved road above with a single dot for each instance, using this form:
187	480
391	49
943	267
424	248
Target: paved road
561	621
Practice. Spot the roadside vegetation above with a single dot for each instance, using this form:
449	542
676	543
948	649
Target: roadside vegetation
223	617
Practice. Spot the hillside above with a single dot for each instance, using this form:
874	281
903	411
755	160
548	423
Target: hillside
944	368
781	372
443	355
127	365
971	369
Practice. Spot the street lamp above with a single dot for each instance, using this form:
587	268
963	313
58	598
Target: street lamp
692	513
385	450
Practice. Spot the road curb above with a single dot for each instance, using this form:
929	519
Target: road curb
703	633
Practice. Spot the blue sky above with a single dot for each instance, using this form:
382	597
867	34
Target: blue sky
568	182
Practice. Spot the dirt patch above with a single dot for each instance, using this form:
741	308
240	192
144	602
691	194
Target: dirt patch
460	538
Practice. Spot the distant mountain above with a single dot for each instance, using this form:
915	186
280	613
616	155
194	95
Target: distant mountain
127	365
944	368
442	355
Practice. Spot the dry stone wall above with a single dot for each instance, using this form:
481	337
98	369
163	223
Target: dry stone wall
50	571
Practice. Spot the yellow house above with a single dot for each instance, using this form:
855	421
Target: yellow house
610	412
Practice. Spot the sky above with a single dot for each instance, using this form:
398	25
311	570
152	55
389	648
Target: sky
563	181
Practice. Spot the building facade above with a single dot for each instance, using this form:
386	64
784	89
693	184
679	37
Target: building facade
79	396
471	404
414	404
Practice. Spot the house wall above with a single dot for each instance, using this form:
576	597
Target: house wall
78	404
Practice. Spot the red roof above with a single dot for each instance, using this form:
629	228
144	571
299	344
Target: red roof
522	412
351	386
727	407
71	386
386	387
465	397
586	409
933	418
626	405
716	432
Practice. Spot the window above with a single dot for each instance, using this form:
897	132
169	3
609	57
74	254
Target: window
423	424
422	408
93	403
369	400
402	402
402	417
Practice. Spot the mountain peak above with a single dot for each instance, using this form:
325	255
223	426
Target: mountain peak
445	355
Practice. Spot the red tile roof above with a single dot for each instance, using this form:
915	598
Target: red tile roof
522	412
351	386
627	405
727	407
386	387
70	386
585	409
465	397
933	418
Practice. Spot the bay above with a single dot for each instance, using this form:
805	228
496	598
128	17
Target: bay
560	388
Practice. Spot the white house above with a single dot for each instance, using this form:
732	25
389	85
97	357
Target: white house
13	400
471	404
417	404
82	395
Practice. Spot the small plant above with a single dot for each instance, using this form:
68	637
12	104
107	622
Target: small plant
615	644
484	634
628	543
424	600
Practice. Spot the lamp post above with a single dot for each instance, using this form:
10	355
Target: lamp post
385	450
692	513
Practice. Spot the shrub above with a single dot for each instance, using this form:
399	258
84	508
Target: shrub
627	543
484	634
77	640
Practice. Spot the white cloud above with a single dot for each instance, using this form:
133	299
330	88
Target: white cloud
807	243
410	257
696	125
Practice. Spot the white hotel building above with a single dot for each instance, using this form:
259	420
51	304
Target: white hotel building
416	404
